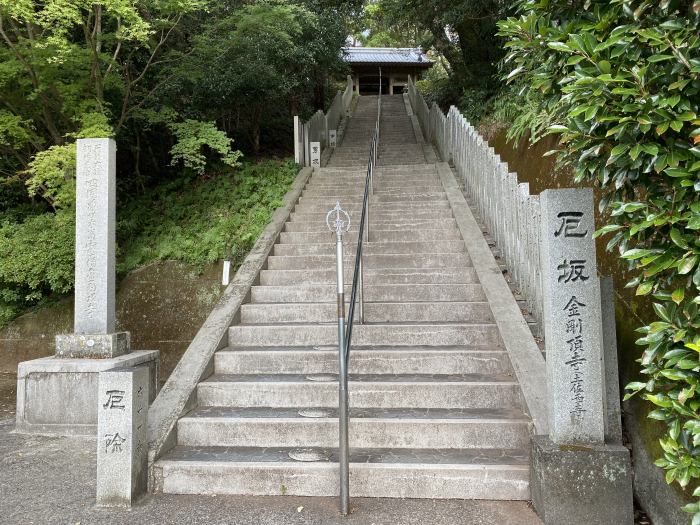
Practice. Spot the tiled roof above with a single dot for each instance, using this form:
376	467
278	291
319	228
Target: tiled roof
385	55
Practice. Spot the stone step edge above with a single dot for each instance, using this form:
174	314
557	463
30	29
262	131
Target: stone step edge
505	481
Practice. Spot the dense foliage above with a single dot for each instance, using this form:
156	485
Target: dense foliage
619	80
196	219
257	64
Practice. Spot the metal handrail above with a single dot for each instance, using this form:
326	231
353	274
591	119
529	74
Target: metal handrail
345	327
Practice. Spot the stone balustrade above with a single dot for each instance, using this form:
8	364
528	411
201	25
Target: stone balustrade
506	208
318	128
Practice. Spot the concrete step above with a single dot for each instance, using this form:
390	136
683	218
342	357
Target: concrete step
356	181
421	260
397	223
358	161
319	293
376	215
404	157
361	149
457	474
374	236
370	428
371	276
370	391
365	360
367	334
381	174
392	181
405	197
380	186
374	312
409	208
323	189
382	161
387	169
370	248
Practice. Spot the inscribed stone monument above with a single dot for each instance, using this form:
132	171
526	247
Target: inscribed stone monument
572	315
95	279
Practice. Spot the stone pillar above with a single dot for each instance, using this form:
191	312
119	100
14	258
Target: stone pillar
573	333
576	477
95	220
57	395
122	440
298	144
611	378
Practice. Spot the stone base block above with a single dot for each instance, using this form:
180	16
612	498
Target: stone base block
58	397
581	484
93	346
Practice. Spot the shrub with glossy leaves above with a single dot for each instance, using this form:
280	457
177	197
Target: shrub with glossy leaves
620	82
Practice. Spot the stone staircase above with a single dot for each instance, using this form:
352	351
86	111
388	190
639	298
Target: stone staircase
436	411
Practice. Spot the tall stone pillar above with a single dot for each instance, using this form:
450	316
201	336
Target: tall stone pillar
57	395
577	477
95	239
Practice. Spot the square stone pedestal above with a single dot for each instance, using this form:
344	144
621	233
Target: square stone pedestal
58	396
97	346
581	484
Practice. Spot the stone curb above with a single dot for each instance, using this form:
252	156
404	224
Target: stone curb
176	396
525	356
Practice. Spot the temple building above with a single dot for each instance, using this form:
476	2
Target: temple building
387	67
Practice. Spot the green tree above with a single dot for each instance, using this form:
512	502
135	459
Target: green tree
76	69
463	32
258	60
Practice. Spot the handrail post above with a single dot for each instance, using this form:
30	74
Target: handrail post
340	225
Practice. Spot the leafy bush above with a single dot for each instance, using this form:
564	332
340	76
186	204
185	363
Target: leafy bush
474	103
438	87
52	175
193	136
620	81
36	260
